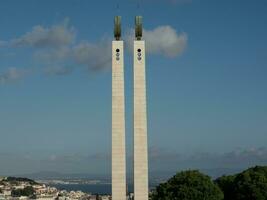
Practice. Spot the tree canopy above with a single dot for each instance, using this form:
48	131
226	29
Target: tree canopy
19	179
226	183
250	184
27	191
188	185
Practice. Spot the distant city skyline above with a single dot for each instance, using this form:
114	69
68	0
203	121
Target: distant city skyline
206	84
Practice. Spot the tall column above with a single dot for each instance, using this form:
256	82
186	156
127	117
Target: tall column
118	124
140	124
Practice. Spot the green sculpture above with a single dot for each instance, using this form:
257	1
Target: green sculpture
138	27
117	27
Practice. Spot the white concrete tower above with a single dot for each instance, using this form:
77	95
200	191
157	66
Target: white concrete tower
140	116
118	117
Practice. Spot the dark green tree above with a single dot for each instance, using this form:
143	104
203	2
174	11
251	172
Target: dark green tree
14	180
27	191
251	184
226	183
188	185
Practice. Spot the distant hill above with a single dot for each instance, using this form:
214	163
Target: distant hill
19	179
57	175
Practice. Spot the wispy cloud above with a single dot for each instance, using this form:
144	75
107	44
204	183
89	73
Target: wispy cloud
51	37
53	55
56	50
12	74
157	154
241	158
94	56
79	158
86	55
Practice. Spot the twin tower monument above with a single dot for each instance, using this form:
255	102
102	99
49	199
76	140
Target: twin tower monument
118	116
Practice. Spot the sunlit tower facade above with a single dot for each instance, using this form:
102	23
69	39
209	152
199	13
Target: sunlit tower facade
118	116
140	115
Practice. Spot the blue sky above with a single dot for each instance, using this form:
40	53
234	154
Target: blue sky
206	83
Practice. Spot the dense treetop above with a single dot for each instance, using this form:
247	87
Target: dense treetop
188	185
250	184
27	191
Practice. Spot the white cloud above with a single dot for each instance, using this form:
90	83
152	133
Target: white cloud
162	40
42	37
55	49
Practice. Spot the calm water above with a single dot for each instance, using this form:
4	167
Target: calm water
88	188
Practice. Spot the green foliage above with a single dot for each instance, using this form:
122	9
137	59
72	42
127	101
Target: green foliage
19	179
27	191
226	183
188	185
1	190
250	184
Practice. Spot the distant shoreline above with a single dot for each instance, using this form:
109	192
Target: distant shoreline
101	189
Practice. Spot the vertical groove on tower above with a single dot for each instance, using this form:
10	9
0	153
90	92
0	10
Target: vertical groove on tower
118	124
140	124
